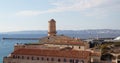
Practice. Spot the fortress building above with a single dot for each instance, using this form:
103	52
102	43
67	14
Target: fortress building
53	49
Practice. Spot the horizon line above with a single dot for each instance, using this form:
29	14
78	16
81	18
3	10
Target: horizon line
57	29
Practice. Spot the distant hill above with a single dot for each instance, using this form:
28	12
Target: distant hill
92	33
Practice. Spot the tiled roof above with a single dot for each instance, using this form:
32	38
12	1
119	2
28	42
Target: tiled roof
53	53
61	40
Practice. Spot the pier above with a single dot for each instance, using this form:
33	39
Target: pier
21	38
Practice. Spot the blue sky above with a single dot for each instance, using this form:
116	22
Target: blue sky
19	15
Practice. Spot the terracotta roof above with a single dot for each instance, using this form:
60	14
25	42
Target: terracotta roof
53	53
62	40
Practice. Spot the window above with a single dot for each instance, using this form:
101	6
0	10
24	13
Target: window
82	61
76	61
71	61
42	58
18	57
59	60
32	58
65	60
22	57
37	58
52	59
47	59
27	57
13	56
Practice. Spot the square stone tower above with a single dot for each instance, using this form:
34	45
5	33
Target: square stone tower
52	28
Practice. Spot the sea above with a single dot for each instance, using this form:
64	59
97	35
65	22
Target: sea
7	46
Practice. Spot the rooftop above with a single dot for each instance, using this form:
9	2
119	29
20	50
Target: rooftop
53	53
61	40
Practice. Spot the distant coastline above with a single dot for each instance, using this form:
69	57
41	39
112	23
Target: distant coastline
83	34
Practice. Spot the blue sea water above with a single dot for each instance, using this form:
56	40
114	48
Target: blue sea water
7	46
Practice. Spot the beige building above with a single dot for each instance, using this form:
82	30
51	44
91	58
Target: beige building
53	49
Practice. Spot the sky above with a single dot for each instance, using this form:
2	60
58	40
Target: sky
20	15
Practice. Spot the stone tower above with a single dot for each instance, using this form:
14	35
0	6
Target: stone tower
52	28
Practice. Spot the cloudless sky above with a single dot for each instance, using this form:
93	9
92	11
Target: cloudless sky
19	15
